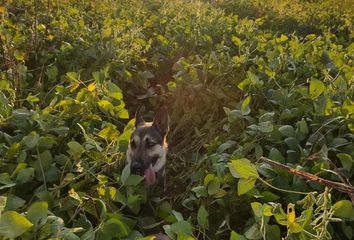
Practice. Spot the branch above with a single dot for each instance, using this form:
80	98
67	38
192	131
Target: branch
313	178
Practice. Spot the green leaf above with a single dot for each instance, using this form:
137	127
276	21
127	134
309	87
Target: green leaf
281	217
134	203
202	217
178	215
295	227
123	140
25	175
37	211
316	88
133	180
52	72
275	155
253	232
266	127
214	186
273	232
13	202
5	178
125	174
243	168
257	209
269	196
208	178
287	131
8	186
200	191
2	204
244	185
258	151
148	222
235	236
31	98
72	76
46	161
31	140
343	209
114	227
46	142
76	149
182	227
292	143
98	76
303	127
346	161
347	230
13	224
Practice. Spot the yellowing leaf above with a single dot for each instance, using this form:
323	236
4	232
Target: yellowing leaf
343	209
220	194
91	87
245	108
185	237
31	98
105	105
348	106
294	228
13	224
149	238
282	38
242	168
74	195
244	185
20	56
236	41
101	190
316	88
291	213
109	133
2	9
208	178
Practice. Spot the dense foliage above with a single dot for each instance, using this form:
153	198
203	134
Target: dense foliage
241	80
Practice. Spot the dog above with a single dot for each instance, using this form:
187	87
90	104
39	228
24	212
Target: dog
147	148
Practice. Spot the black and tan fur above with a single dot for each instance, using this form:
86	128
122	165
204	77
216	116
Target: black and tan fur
148	145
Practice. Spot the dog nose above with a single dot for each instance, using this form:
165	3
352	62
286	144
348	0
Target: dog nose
136	167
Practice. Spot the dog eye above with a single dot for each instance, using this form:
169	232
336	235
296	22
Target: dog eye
132	144
149	144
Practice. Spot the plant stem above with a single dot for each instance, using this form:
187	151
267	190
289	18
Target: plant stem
280	189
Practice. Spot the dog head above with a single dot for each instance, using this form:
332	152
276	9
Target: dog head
148	147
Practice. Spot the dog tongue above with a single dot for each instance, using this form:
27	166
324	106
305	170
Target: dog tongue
149	175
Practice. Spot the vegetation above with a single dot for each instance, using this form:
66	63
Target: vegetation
241	80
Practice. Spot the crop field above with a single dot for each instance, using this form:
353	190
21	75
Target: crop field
260	96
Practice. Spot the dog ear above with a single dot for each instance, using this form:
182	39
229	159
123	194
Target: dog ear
138	119
161	121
